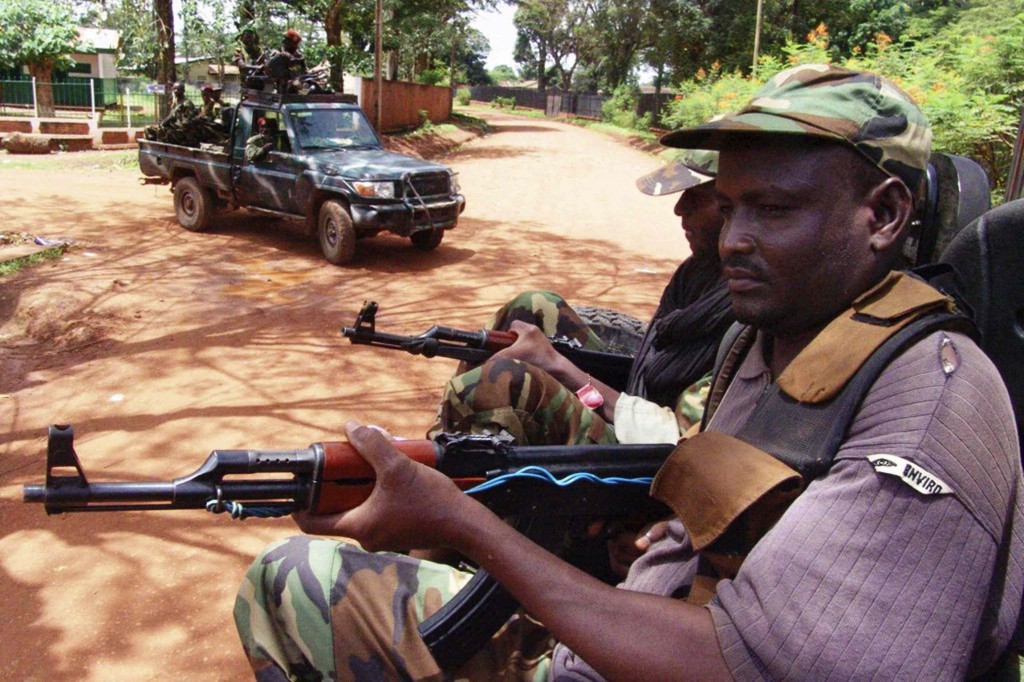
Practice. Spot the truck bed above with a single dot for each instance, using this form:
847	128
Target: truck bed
168	161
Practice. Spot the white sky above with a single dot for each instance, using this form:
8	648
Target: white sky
497	26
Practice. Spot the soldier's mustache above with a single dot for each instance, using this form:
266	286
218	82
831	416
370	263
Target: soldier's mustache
744	263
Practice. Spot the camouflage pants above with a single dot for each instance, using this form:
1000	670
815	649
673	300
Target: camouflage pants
319	609
517	398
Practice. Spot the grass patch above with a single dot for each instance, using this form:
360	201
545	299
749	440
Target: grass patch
518	111
468	122
10	267
456	121
118	160
609	129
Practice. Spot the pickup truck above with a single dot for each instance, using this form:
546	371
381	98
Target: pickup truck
328	169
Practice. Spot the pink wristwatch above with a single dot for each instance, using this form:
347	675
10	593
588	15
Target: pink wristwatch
590	396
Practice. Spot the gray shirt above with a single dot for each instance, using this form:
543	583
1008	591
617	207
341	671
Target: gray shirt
865	576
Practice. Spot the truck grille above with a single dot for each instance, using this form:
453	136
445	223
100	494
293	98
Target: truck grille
428	185
445	216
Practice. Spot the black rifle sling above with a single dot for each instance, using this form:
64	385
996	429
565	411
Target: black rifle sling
733	348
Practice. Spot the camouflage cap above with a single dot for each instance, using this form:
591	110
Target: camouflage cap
860	109
694	167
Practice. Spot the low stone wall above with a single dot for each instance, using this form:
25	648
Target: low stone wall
72	136
123	136
9	126
64	128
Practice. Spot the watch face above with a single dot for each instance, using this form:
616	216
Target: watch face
590	396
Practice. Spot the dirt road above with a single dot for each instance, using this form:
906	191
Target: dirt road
160	345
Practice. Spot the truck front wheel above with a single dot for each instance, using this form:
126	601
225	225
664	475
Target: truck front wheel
427	240
192	204
337	236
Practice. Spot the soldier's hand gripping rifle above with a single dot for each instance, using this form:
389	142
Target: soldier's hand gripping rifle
476	346
540	489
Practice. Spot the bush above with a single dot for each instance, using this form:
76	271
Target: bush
433	77
503	102
621	109
955	83
462	96
709	93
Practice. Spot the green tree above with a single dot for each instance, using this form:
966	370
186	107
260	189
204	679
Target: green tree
38	34
503	73
614	37
163	11
551	31
676	32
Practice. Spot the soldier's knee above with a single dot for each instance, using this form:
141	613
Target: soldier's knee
506	382
528	299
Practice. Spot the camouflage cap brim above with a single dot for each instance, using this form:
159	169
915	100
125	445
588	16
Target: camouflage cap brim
694	167
670	179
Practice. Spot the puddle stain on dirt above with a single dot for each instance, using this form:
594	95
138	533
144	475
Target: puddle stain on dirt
268	282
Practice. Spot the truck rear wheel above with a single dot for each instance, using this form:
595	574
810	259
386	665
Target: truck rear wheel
427	240
192	204
336	233
620	332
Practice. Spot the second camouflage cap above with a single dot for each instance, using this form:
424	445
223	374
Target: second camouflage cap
860	109
694	167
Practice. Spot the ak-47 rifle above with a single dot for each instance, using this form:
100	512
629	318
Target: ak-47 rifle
476	346
539	488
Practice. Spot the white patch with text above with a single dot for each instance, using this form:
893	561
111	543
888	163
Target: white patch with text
911	474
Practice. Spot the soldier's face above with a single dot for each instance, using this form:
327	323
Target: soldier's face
795	246
701	218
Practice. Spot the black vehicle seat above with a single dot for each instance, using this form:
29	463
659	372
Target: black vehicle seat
988	256
956	192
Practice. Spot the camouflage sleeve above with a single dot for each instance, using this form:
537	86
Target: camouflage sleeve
690	406
254	148
318	609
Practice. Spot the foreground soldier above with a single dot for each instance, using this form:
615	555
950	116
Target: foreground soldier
538	397
897	558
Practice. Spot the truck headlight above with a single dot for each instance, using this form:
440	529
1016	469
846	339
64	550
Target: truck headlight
456	187
375	190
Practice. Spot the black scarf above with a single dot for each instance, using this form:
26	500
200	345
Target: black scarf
680	344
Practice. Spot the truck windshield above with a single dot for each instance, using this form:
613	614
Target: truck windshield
333	129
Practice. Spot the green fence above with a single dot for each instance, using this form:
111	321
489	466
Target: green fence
135	106
71	97
116	102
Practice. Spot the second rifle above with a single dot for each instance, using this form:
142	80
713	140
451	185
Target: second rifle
475	347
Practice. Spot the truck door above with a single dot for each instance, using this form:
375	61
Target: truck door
267	182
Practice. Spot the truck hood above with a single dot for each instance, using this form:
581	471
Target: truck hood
363	164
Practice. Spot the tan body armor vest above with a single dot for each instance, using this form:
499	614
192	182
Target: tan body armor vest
729	491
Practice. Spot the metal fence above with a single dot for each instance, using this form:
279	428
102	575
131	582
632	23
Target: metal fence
555	102
114	102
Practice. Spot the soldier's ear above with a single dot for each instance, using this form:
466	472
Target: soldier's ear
891	209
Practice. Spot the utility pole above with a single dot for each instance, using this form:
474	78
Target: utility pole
379	85
1015	179
757	38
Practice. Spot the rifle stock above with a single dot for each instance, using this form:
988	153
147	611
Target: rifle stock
476	347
